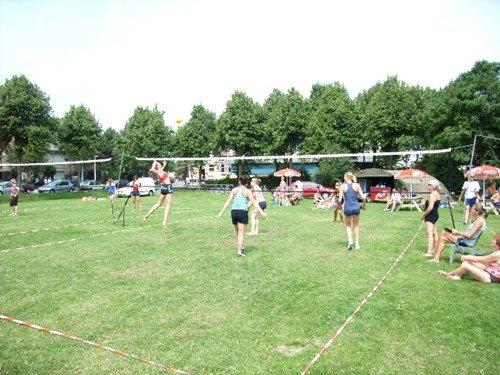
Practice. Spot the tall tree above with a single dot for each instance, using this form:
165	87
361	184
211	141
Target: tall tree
196	138
145	134
332	120
79	134
286	118
469	106
390	116
240	126
26	122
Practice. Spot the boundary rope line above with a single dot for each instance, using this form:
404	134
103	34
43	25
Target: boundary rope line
314	156
119	352
365	300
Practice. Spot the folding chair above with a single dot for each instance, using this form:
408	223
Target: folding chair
465	250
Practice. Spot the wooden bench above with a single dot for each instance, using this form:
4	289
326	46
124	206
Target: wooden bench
411	203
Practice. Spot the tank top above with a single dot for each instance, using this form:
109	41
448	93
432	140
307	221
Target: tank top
471	241
240	202
135	187
351	198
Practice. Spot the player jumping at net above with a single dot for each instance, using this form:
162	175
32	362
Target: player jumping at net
166	192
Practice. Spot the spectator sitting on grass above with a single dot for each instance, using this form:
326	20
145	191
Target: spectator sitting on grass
476	267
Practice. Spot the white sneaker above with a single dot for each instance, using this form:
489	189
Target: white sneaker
356	245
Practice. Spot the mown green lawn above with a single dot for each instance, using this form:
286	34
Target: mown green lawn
182	298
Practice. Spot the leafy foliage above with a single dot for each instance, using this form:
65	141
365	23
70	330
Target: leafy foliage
286	119
146	133
26	122
332	120
468	106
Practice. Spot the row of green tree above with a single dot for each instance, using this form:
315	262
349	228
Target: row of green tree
390	116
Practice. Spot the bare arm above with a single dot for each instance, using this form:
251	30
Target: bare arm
483	259
228	201
361	195
248	193
477	226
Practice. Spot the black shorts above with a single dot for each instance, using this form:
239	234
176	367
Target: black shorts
239	216
167	189
432	218
13	201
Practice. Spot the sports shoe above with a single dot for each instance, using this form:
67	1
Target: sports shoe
243	249
240	254
356	245
349	247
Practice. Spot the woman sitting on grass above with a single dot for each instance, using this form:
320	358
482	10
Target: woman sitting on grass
467	238
476	267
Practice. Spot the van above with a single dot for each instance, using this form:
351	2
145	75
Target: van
146	187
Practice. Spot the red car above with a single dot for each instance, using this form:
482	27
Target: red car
310	188
26	187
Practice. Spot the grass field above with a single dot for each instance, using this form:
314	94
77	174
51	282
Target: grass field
181	297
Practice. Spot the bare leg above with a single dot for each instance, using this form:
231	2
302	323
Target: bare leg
168	206
133	203
254	223
467	212
240	236
140	204
348	230
476	270
431	228
355	219
445	239
155	207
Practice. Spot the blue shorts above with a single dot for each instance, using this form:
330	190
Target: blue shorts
470	201
351	211
135	194
263	205
167	189
239	216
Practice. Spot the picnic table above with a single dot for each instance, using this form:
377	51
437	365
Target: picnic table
411	203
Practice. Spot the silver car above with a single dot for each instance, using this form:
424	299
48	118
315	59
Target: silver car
5	187
58	185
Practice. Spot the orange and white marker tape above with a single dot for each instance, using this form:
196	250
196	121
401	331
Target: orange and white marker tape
308	367
20	322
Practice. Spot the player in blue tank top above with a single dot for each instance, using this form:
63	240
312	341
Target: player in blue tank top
349	193
239	211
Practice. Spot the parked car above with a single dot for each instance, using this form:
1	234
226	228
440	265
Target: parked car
310	188
120	183
92	185
58	185
5	187
26	187
147	187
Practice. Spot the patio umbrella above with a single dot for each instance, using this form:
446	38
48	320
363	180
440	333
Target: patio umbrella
485	172
288	173
410	174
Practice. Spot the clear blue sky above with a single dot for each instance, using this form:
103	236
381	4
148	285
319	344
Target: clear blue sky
115	55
